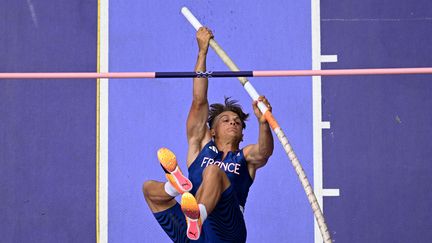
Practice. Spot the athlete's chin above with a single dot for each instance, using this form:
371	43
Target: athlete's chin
235	137
233	132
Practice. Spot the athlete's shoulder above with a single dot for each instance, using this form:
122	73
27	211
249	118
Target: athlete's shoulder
246	150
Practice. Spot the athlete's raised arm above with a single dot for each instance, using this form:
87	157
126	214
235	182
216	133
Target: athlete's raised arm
196	125
258	154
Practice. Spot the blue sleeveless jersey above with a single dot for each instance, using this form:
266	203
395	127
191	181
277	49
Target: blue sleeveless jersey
234	165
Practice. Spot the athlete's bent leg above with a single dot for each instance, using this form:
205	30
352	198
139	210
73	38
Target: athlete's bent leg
156	197
214	183
166	210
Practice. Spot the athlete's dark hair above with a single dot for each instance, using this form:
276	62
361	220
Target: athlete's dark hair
230	105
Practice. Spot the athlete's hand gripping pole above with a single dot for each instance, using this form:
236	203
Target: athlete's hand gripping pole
274	125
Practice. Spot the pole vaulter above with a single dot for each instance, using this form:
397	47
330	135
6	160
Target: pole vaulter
274	125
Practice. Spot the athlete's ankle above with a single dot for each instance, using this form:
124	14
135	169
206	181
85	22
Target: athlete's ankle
203	212
170	190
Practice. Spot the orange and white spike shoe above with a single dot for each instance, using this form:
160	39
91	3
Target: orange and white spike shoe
172	181
174	175
190	209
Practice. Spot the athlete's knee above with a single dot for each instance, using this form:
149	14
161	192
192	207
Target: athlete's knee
156	197
148	187
213	172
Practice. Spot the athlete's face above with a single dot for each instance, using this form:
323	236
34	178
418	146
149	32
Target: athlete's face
228	125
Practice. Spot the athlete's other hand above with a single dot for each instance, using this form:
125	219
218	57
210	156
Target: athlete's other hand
257	111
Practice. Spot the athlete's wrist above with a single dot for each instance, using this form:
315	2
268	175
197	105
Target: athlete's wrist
262	120
202	53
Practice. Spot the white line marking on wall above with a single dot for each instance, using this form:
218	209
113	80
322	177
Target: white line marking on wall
325	125
316	110
329	58
103	125
331	192
318	124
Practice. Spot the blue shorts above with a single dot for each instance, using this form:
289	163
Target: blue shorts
224	224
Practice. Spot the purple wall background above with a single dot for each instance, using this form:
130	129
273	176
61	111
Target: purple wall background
145	115
47	127
378	149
